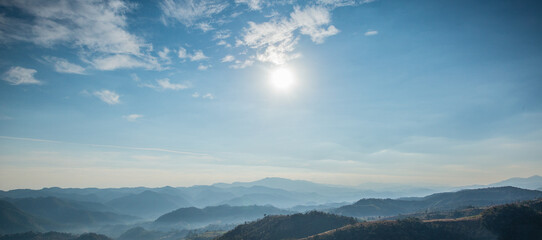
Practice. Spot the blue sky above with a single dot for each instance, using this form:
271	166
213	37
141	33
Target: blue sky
180	92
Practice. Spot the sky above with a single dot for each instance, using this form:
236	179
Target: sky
182	92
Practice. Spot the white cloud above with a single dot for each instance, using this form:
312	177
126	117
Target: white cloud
310	21
276	39
166	84
242	64
97	28
222	34
189	12
20	75
208	96
202	67
371	33
337	3
107	96
252	4
164	55
63	66
135	77
204	26
228	58
197	56
223	43
162	84
182	53
132	117
342	3
118	61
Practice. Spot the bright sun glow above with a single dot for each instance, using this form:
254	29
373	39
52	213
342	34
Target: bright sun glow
282	79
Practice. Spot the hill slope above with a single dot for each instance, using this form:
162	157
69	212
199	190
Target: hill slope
147	204
439	201
13	220
521	221
68	212
53	236
218	214
287	227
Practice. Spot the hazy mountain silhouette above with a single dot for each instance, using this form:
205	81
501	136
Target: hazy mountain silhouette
139	233
53	236
13	220
533	183
69	212
148	204
222	214
439	201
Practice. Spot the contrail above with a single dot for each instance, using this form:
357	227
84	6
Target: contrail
106	146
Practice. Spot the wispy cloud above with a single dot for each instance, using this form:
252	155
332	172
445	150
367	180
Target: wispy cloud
205	27
167	84
160	84
276	39
132	117
118	61
337	3
198	55
181	53
164	55
107	146
208	96
222	34
107	96
252	4
63	66
228	58
20	75
223	43
97	28
202	67
242	64
371	33
189	12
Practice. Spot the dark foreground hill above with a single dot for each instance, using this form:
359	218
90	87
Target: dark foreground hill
520	221
438	201
410	229
506	222
287	226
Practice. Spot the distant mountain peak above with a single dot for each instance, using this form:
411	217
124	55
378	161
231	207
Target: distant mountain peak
532	182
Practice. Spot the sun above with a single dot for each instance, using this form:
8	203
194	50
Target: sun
282	79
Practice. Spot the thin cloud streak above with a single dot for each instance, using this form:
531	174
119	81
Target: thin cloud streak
107	146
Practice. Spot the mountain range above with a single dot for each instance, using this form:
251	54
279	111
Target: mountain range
116	210
439	201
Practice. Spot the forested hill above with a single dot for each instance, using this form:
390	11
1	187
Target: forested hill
222	213
288	226
439	201
521	221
